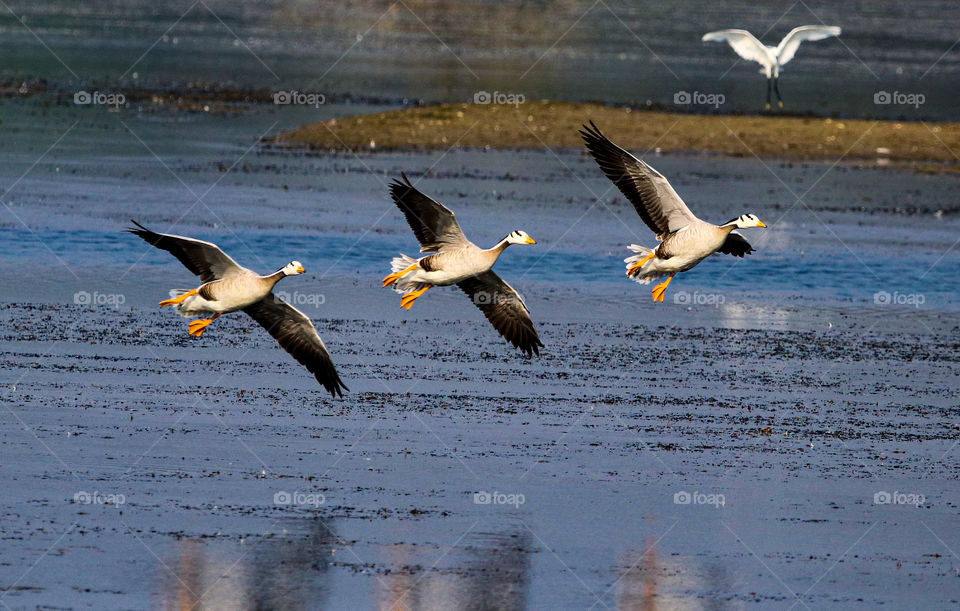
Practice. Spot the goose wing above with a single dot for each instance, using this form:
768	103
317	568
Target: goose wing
736	245
297	335
743	42
203	259
433	223
505	309
791	42
650	193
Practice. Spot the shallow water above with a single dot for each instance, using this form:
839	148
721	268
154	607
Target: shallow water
837	233
781	383
636	53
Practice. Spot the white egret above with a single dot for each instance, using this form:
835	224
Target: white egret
771	58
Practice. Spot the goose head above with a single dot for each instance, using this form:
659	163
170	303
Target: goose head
746	221
294	268
519	237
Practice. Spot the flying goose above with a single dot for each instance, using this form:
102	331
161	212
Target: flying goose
456	260
228	287
684	239
771	58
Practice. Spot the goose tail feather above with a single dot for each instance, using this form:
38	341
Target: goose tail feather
644	275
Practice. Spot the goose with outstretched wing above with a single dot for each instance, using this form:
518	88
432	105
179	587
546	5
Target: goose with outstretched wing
684	239
453	259
228	287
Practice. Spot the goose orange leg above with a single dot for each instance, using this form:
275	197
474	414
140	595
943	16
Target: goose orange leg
409	298
178	299
392	278
197	327
660	289
636	267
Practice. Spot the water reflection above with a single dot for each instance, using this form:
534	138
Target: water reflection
650	580
287	571
491	572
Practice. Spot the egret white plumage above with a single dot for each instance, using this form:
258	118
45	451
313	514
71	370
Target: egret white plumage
771	58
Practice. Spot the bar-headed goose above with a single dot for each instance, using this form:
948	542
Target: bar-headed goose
456	260
684	239
228	287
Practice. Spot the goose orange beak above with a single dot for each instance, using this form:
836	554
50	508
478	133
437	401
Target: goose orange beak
761	224
531	240
300	269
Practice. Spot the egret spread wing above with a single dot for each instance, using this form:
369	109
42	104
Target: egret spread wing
791	42
744	43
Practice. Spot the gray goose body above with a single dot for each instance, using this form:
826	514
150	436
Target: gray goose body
453	259
229	287
685	240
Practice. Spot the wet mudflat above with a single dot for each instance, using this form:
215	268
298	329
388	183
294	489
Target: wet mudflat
763	439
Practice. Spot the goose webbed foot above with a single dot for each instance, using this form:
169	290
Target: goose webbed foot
660	290
178	299
409	298
636	267
392	278
197	327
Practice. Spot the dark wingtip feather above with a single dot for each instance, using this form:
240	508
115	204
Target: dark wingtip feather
591	132
140	228
398	189
335	387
